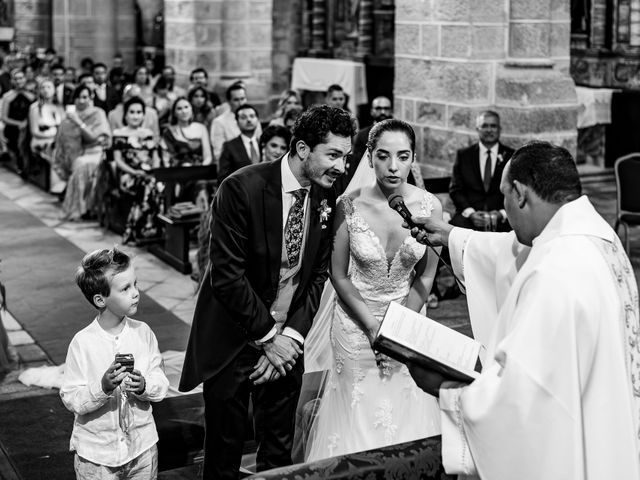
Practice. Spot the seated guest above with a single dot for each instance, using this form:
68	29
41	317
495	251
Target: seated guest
141	78
63	91
150	115
225	127
274	142
288	99
203	111
15	112
162	102
200	78
45	116
82	137
186	143
244	149
173	91
475	179
291	116
135	154
337	97
106	97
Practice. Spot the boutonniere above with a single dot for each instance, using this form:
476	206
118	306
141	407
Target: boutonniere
324	210
500	158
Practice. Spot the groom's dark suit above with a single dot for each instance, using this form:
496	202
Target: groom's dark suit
233	309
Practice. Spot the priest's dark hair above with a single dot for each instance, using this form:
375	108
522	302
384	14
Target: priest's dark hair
549	170
94	274
314	125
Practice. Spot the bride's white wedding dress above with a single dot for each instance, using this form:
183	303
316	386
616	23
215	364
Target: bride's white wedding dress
365	406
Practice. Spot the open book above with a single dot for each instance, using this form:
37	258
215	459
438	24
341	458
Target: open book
407	336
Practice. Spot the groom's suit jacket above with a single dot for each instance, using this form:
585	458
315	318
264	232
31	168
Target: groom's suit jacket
242	279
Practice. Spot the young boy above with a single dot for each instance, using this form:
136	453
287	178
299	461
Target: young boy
114	435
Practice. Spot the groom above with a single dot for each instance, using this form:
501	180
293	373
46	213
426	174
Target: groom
270	246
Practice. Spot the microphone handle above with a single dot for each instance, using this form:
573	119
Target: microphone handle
404	212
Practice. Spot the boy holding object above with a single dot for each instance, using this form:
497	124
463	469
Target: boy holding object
114	434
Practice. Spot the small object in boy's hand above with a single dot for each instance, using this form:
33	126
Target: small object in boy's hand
125	360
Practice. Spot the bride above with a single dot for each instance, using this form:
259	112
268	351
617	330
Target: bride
369	400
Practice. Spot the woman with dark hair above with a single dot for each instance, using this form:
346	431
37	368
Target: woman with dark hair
15	112
142	78
274	142
135	154
203	111
82	137
162	103
186	143
372	401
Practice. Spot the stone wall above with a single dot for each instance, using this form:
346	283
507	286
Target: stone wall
94	28
32	23
455	58
230	38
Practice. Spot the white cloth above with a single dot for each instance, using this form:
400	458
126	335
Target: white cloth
366	406
559	395
224	128
289	185
594	106
317	74
96	434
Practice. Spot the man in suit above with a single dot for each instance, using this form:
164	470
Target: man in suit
64	91
270	246
225	127
244	149
475	179
105	96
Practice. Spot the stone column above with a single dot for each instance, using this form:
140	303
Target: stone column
456	58
634	24
94	28
192	37
318	28
365	29
32	21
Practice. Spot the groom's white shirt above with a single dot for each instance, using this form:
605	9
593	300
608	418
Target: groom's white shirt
555	399
279	308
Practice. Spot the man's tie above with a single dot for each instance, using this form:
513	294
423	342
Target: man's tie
255	158
487	172
293	230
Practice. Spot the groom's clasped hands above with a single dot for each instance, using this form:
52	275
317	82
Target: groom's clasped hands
280	355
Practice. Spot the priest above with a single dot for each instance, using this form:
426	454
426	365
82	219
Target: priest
556	304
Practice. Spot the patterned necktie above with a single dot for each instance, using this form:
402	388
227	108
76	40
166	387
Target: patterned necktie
254	153
294	228
487	172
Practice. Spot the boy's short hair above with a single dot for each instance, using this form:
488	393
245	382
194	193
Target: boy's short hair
92	274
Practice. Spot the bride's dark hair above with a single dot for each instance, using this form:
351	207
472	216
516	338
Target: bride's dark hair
391	125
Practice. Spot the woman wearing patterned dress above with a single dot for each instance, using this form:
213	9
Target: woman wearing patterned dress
135	154
369	400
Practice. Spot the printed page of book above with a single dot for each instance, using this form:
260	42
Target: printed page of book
430	338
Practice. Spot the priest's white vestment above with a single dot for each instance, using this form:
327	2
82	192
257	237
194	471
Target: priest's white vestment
559	395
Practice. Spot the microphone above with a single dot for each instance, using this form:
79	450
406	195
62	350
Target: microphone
396	202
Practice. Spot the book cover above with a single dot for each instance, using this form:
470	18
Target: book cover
407	336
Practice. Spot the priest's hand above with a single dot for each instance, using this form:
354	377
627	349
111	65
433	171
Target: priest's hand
282	352
264	372
430	230
427	380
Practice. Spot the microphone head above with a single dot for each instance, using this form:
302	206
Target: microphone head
395	199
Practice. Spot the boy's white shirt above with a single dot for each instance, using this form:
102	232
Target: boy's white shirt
97	435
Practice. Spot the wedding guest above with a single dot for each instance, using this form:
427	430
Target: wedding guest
116	116
82	137
106	96
288	99
274	142
203	110
15	113
142	79
114	433
199	77
291	116
135	154
162	103
244	149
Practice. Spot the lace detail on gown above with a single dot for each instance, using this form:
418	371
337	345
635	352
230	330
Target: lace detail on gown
366	406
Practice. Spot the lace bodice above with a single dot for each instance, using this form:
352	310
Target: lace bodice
378	281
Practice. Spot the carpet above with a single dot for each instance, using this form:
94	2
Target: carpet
38	267
35	435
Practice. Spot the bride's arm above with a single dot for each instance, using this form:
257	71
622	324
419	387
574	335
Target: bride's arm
425	270
345	289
